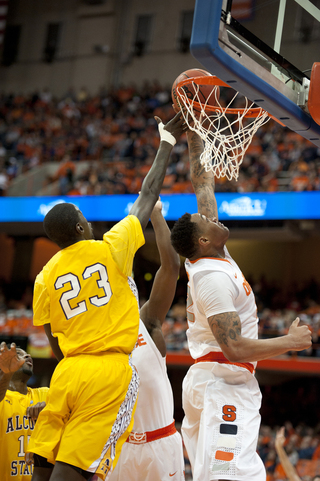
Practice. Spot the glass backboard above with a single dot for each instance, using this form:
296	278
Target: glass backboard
264	49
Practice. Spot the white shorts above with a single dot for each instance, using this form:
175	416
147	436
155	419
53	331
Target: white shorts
220	430
155	461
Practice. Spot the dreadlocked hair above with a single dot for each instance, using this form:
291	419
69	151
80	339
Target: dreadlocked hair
184	236
60	224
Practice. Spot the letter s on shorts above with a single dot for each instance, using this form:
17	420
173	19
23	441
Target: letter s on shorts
229	413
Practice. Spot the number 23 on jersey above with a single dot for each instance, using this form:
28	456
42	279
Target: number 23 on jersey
97	274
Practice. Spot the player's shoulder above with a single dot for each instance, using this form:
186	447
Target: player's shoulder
40	392
128	224
131	222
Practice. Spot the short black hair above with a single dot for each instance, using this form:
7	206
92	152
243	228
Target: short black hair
60	224
184	236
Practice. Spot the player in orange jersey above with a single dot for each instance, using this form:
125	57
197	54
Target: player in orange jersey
221	396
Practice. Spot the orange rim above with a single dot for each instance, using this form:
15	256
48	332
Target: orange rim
215	81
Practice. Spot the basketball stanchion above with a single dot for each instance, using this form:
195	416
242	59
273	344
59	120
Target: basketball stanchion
227	131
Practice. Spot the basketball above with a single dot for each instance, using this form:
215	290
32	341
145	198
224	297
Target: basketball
204	90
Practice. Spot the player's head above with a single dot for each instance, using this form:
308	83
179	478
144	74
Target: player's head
27	367
196	235
65	224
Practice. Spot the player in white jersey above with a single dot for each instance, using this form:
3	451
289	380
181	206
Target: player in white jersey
221	396
153	451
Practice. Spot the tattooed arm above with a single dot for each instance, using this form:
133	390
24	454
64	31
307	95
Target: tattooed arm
202	181
226	328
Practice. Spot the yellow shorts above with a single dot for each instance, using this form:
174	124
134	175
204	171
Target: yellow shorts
89	412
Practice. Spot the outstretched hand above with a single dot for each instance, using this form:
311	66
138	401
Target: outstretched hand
158	206
301	336
280	437
157	211
10	360
176	126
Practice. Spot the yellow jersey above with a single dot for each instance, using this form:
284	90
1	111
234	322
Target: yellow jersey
15	432
84	293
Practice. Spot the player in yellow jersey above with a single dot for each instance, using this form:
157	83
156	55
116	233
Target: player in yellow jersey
84	299
19	406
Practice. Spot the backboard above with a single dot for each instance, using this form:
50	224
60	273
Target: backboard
264	49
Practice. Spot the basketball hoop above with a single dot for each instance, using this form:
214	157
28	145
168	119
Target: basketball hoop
227	131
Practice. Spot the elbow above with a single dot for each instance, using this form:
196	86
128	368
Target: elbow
233	355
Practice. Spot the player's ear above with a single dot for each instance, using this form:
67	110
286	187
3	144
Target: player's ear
79	228
203	241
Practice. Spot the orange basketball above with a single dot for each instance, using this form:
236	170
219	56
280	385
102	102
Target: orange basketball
204	92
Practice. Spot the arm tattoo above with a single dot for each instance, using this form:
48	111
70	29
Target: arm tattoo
225	327
196	149
202	181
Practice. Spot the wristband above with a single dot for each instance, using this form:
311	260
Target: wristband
165	135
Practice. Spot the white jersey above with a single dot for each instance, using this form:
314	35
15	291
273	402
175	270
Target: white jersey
155	402
159	458
207	275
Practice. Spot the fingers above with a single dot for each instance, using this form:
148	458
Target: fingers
175	108
29	458
4	347
178	115
280	437
34	411
296	322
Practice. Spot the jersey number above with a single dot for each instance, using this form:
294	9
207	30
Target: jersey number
74	291
21	452
246	286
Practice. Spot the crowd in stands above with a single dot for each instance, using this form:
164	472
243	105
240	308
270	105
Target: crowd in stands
115	130
302	447
276	311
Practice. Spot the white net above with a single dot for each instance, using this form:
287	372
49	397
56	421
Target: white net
226	131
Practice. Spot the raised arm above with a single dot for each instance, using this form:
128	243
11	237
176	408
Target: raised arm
288	467
226	328
153	181
202	181
10	362
154	311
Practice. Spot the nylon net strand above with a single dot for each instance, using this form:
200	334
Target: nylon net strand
226	137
